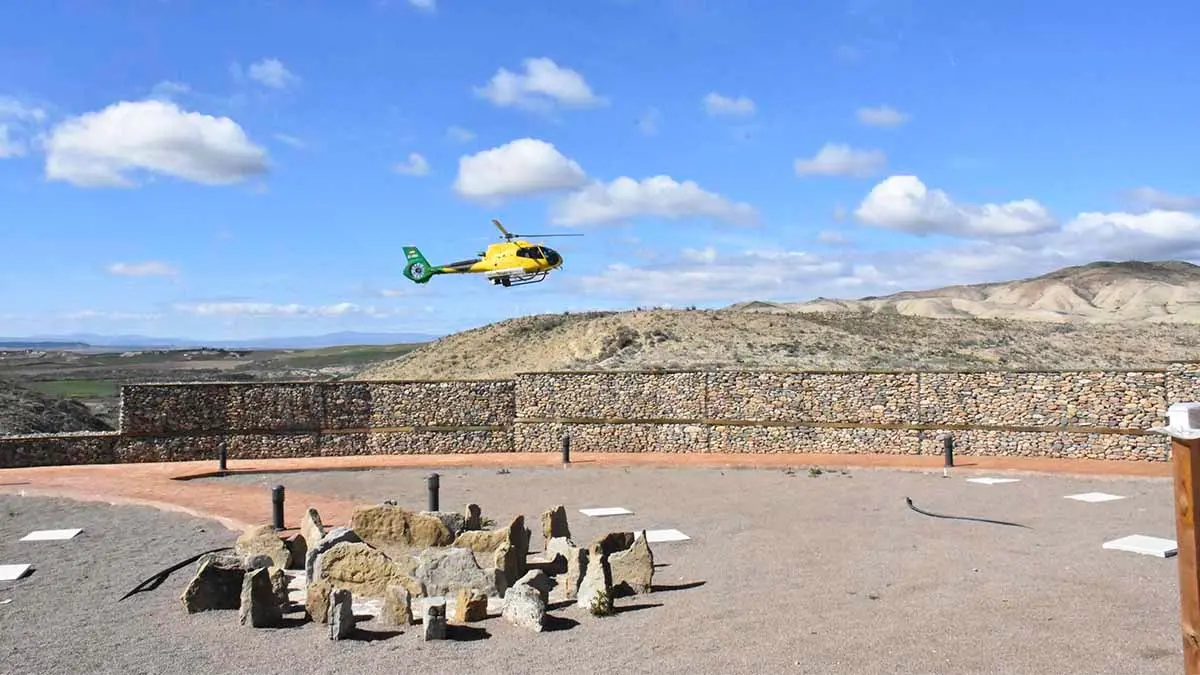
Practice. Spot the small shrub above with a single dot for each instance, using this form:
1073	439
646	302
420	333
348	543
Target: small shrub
601	605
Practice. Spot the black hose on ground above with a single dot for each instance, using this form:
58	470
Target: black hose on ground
161	576
980	520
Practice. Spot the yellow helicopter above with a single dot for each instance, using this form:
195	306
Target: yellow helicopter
515	262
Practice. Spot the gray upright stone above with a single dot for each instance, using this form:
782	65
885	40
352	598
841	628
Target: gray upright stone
217	584
341	614
524	606
595	590
435	619
336	536
445	570
259	606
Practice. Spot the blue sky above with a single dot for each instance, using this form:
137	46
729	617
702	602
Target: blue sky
230	170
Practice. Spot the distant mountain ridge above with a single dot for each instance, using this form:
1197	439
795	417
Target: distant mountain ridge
92	340
1105	291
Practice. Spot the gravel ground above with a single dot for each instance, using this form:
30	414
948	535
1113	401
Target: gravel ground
785	573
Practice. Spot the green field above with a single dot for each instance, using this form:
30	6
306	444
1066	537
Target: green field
332	357
76	388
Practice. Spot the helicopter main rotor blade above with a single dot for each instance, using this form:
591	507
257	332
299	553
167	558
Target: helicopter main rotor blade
547	235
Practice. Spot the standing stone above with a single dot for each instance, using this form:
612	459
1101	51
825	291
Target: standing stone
397	606
335	536
387	525
216	585
297	551
311	527
445	570
279	584
435	619
470	605
539	581
316	600
263	540
633	569
554	524
524	607
577	564
341	614
614	542
363	569
259	602
474	518
595	590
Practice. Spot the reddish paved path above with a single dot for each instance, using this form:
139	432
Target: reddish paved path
237	506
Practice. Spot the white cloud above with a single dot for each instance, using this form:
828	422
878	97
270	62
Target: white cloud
832	237
883	116
424	5
525	166
716	104
272	73
707	255
416	165
649	122
17	120
100	149
658	196
1152	234
290	140
152	268
543	84
904	203
1157	199
834	159
277	310
459	134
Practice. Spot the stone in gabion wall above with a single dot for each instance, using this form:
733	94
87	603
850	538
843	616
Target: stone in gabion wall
1183	385
1115	400
616	395
1059	445
155	410
537	437
878	398
58	449
799	439
174	408
427	404
439	442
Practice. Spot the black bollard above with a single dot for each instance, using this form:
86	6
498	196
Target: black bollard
949	450
566	448
277	502
222	456
433	491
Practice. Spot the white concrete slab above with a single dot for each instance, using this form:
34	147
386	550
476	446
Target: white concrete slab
658	536
51	535
1094	497
1140	543
993	481
12	572
606	511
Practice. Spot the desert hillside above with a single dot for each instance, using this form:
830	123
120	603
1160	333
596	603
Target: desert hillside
24	411
1110	292
1105	315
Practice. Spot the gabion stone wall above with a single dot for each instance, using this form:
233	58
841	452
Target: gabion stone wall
1098	415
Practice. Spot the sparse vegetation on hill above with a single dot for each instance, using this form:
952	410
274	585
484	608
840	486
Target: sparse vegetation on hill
25	411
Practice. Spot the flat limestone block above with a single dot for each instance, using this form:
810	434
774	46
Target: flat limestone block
1094	497
606	511
1140	543
658	536
13	572
51	535
987	480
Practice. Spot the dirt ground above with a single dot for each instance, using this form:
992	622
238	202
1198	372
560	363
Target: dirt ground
785	572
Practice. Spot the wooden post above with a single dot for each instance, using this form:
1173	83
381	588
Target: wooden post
1186	460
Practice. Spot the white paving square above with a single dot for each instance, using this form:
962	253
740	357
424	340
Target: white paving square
606	511
12	572
993	481
51	535
657	536
1094	497
1140	543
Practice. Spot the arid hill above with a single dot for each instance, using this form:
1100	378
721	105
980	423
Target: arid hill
24	411
1166	292
1054	331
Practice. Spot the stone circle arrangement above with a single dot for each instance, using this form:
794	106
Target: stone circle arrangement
397	565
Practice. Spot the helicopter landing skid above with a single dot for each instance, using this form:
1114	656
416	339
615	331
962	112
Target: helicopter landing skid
520	280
